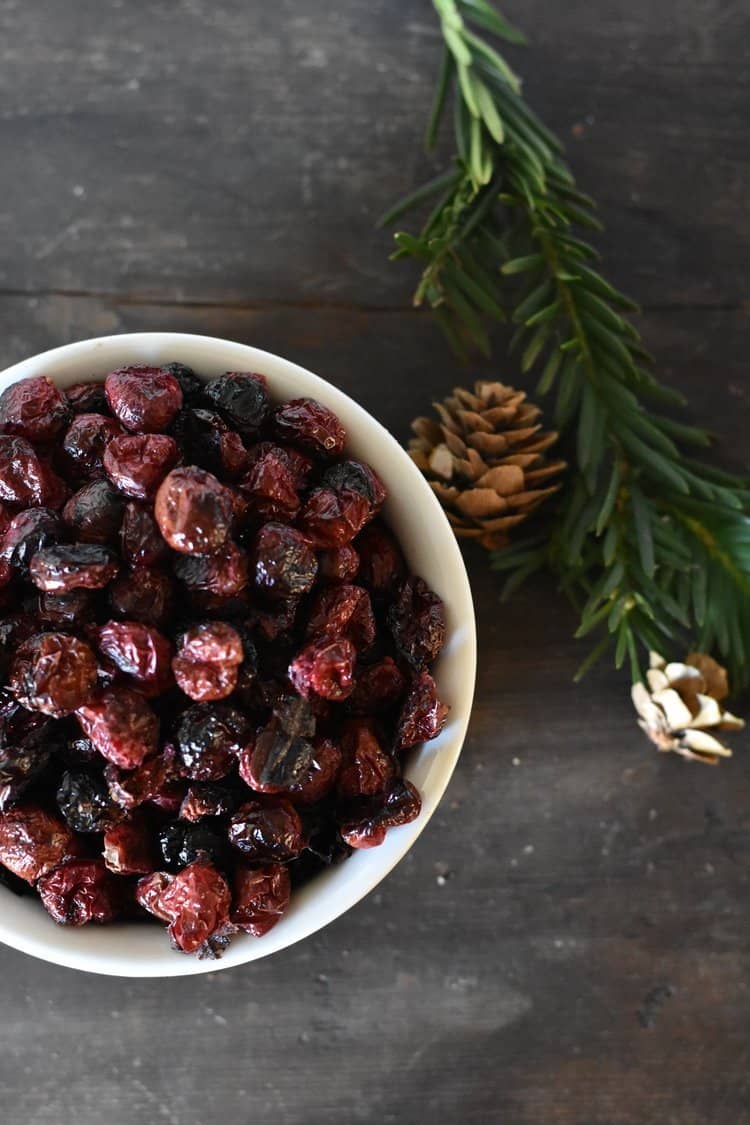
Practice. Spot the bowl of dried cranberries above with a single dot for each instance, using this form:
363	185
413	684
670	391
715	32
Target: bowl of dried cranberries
237	654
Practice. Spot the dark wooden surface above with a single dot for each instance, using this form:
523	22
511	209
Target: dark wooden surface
568	942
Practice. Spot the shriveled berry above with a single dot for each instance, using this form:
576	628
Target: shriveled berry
80	891
381	565
209	738
94	513
241	397
423	714
283	564
277	761
85	441
181	844
207	441
321	775
137	463
260	895
207	799
34	409
144	783
225	573
127	848
271	483
57	570
121	726
194	511
73	609
278	619
401	805
195	903
54	490
87	398
54	673
24	479
140	539
144	399
343	611
143	594
207	662
33	842
29	532
84	801
190	384
267	828
332	519
366	768
377	687
312	426
325	667
27	740
338	564
354	476
417	623
141	652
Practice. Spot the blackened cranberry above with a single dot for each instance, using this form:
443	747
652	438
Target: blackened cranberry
190	384
207	662
27	740
207	799
29	532
87	398
309	424
332	519
267	828
84	801
66	610
127	847
194	511
57	570
54	673
417	622
33	842
80	891
141	652
423	714
137	463
381	564
283	563
121	726
94	513
225	573
194	902
343	611
34	409
278	761
353	476
339	564
85	441
182	844
207	441
143	594
140	539
209	738
144	399
324	667
241	398
260	897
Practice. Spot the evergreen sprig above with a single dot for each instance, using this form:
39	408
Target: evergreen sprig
652	546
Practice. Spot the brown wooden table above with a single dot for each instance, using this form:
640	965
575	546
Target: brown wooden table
568	942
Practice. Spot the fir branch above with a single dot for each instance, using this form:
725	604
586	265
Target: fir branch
652	546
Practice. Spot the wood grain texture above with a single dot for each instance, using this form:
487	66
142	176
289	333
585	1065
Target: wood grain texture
568	942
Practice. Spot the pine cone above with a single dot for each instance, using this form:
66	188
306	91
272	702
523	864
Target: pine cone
681	705
486	460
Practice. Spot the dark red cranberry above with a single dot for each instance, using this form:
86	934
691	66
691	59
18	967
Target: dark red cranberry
27	741
282	561
207	799
324	667
144	399
80	891
140	539
267	828
321	776
24	480
127	848
225	573
377	687
87	398
260	897
137	463
29	532
84	801
401	805
312	426
143	594
85	441
343	611
332	519
278	761
34	409
121	726
146	782
94	513
423	714
241	397
57	570
33	842
54	673
209	738
381	565
207	662
195	903
366	769
417	623
194	511
207	441
141	652
339	564
70	610
271	484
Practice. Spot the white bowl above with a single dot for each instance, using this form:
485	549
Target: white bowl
131	950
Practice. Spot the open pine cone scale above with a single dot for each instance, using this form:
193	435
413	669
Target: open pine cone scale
485	459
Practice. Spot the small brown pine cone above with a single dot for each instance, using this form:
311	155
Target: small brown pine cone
486	460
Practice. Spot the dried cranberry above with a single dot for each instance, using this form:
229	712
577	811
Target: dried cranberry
241	397
145	783
423	714
194	902
260	897
209	739
137	463
140	651
278	620
57	570
207	441
66	610
86	440
95	513
121	726
381	564
143	399
271	484
366	769
144	595
278	760
29	532
267	828
190	384
321	776
84	801
87	398
207	799
54	490
27	741
225	573
53	673
34	409
353	476
309	424
33	842
339	564
377	687
283	563
80	891
24	479
140	539
182	844
417	622
207	663
325	668
332	519
343	611
194	511
127	847
401	805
